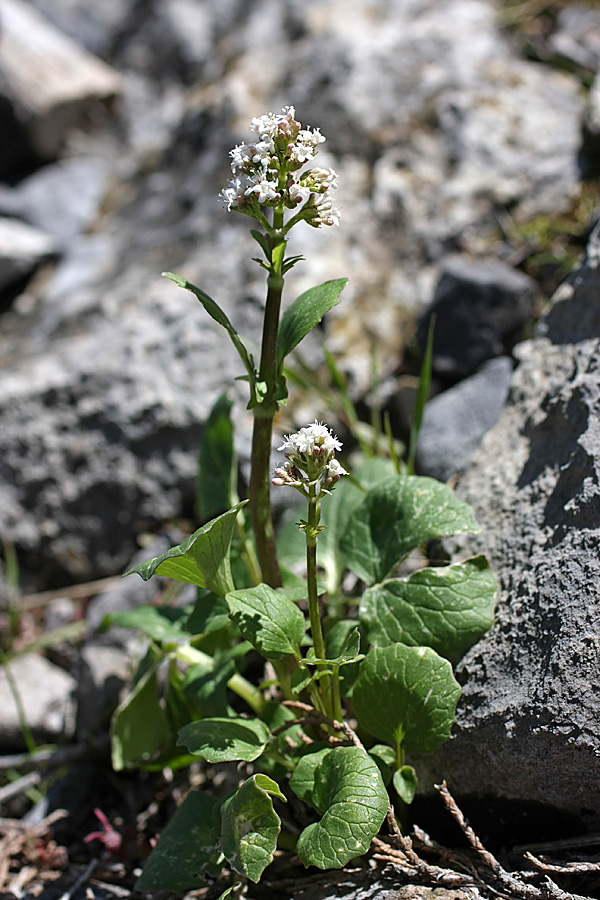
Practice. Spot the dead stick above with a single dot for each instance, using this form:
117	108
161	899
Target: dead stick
566	867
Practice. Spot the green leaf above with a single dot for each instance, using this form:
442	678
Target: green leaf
186	848
304	313
215	483
268	619
250	826
337	510
349	651
385	758
264	242
140	727
446	608
405	782
161	624
202	559
302	781
351	796
397	516
406	695
210	613
216	313
224	740
205	687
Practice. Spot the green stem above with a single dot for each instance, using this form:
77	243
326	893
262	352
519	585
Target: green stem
260	501
338	714
260	481
248	692
312	532
314	514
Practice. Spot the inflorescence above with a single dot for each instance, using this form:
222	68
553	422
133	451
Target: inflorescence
310	459
268	171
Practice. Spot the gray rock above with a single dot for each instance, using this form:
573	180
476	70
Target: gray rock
112	419
62	199
127	594
22	248
528	723
433	124
102	673
577	35
47	696
479	306
455	421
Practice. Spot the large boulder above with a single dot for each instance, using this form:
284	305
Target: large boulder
528	723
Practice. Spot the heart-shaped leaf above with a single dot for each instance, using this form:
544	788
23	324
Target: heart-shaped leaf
446	608
223	740
186	848
396	516
304	313
216	313
268	619
406	695
351	796
250	826
202	559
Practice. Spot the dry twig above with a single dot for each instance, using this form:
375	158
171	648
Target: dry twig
573	867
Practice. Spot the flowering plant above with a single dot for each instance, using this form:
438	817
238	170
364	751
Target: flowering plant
356	673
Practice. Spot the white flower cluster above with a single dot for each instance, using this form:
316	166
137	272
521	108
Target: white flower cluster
310	459
267	171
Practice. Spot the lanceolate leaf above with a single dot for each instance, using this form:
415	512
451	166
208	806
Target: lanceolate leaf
268	619
216	313
186	848
351	796
202	559
215	491
250	826
446	608
224	740
304	313
406	695
396	516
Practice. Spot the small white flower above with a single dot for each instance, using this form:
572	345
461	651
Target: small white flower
265	190
335	469
311	439
310	460
281	148
327	214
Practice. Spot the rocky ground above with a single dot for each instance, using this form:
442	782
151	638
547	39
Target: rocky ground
466	136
